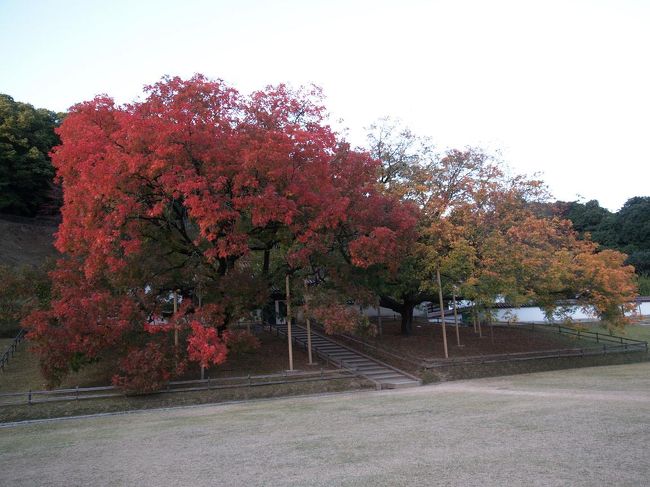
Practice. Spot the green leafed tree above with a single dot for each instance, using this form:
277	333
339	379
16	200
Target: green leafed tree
627	230
632	228
26	173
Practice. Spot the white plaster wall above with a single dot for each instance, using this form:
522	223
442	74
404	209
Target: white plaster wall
531	315
644	308
576	313
536	315
420	310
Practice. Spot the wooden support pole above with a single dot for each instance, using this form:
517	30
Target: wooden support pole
442	314
288	291
308	320
311	362
453	296
175	325
200	296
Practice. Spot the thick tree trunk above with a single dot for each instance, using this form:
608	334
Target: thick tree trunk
407	319
404	307
267	261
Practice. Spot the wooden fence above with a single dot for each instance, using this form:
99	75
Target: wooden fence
249	381
582	333
538	355
11	349
607	344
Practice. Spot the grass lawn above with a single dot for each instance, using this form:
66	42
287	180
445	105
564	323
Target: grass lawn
581	427
634	331
637	332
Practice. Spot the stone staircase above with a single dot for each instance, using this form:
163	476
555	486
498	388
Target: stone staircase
384	376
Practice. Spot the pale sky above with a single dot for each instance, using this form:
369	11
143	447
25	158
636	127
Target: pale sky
559	87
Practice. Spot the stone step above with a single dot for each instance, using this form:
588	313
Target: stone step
370	369
385	371
386	377
357	359
399	385
360	365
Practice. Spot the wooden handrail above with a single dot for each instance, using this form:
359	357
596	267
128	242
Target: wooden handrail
11	349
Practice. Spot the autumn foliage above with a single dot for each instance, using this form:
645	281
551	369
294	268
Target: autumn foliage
184	192
482	228
206	198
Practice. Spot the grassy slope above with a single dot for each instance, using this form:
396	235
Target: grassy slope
636	332
23	374
26	242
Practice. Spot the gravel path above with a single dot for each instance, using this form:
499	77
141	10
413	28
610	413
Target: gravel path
579	427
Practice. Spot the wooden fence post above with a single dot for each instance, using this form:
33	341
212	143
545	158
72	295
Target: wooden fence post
288	292
308	320
442	314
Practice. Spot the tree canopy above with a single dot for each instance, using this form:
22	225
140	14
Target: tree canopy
186	192
480	227
210	197
26	138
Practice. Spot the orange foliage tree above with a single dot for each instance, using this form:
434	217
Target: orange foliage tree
479	226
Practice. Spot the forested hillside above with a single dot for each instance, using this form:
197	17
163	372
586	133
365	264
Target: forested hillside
627	230
26	173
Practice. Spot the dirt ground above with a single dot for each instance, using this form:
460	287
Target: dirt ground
581	427
426	341
271	357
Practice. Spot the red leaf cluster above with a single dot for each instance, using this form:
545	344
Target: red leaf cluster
205	346
145	369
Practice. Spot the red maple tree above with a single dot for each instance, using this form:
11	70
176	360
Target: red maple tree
185	192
